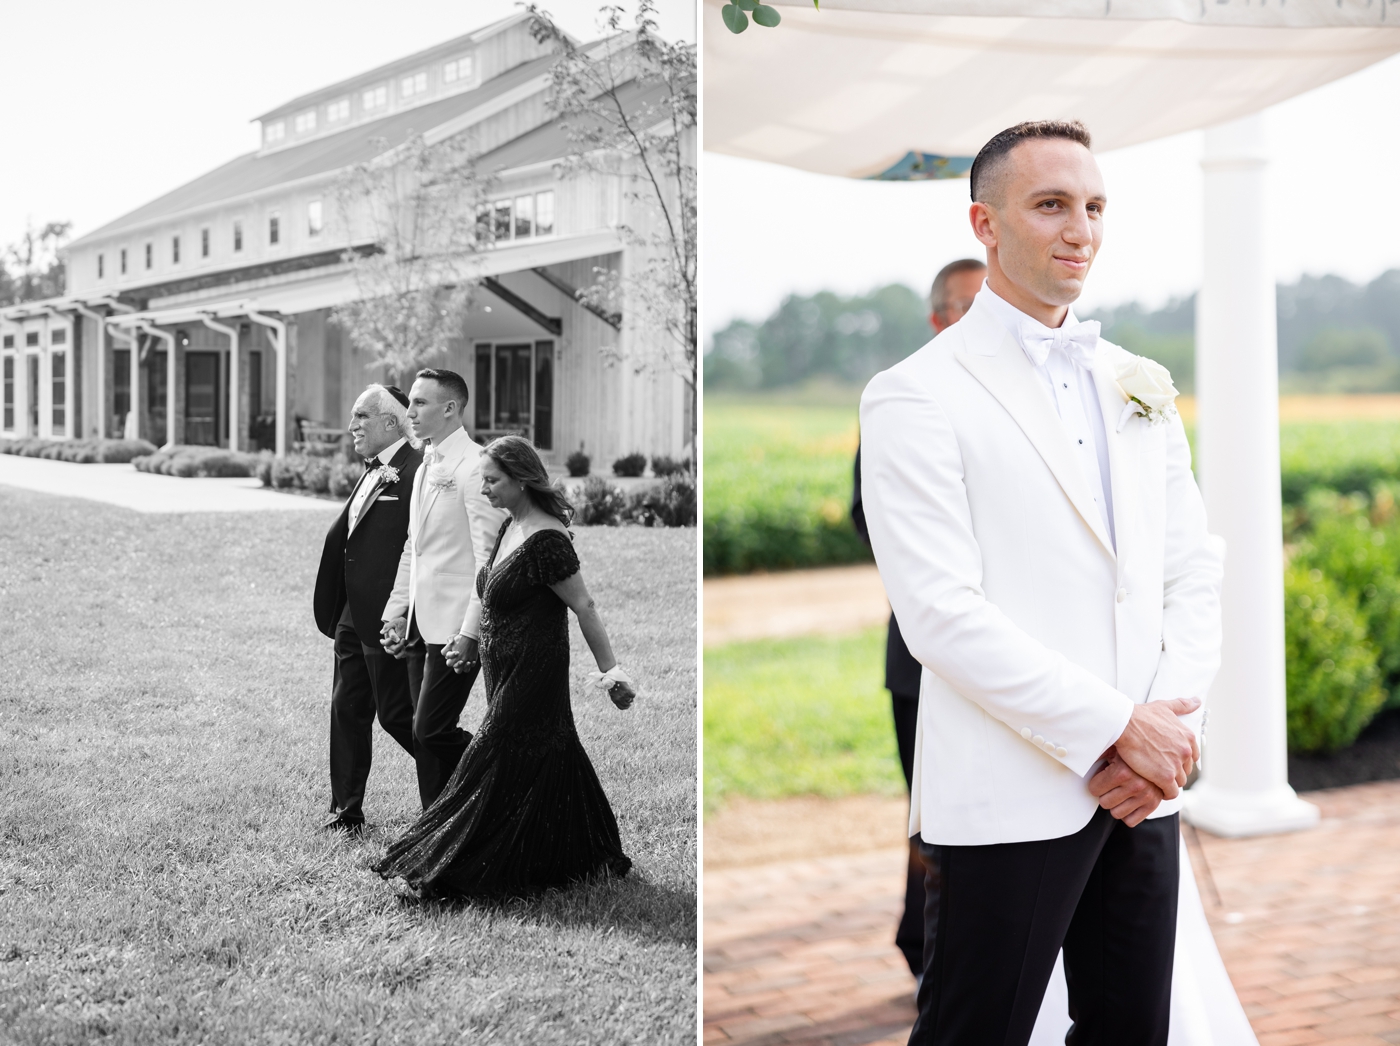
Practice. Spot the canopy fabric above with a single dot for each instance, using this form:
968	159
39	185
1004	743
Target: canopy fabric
854	88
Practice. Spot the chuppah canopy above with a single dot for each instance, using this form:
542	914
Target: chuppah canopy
911	89
856	87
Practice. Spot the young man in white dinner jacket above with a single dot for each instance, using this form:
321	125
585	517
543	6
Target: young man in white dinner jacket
1030	502
433	615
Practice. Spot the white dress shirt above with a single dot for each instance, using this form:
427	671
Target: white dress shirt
362	492
1073	391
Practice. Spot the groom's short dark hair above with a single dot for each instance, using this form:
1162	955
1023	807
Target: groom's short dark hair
452	383
992	157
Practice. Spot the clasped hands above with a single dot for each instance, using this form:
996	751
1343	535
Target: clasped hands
1149	762
460	652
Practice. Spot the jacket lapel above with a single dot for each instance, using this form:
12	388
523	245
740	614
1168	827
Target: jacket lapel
1122	449
995	359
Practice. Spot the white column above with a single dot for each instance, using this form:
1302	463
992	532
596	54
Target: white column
1243	788
277	334
234	414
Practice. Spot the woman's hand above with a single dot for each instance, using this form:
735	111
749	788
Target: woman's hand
622	695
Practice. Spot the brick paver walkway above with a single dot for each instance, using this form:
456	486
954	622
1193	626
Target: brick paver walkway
800	953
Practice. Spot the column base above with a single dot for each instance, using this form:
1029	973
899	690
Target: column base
1235	814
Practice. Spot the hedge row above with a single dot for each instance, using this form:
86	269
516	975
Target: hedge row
189	462
79	451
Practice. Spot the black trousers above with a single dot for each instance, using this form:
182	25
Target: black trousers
1106	894
909	936
439	695
367	683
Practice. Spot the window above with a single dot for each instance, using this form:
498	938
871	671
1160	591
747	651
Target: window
500	221
524	216
275	132
458	69
58	337
121	390
274	229
238	236
99	266
515	390
306	121
175	249
9	421
375	97
204	242
337	111
123	261
149	251
411	85
58	368
9	341
544	213
31	339
313	218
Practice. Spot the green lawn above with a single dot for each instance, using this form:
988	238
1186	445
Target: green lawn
806	716
163	735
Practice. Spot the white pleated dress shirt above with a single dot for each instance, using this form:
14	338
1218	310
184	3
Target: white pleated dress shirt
362	493
1072	388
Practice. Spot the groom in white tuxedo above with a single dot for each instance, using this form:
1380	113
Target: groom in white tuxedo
1044	547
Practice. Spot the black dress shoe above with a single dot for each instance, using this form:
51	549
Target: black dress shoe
341	823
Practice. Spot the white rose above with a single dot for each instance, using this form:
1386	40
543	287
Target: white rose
1146	381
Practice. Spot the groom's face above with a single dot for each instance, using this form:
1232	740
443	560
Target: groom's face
1045	224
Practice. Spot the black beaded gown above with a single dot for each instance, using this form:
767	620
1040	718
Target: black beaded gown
524	809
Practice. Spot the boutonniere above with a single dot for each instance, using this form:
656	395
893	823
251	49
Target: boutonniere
387	475
1147	390
440	476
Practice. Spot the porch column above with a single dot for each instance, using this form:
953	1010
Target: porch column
98	319
169	340
235	418
1243	788
277	333
131	427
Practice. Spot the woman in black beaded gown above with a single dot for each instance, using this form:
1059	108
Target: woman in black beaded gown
524	810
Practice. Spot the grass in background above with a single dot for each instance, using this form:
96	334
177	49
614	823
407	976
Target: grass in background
778	476
163	732
804	716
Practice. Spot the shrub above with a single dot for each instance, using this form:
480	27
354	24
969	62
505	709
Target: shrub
598	503
343	478
1333	683
286	472
264	470
663	466
630	465
80	451
187	462
316	475
670	503
577	463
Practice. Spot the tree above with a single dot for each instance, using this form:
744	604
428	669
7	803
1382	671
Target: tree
31	267
414	210
628	106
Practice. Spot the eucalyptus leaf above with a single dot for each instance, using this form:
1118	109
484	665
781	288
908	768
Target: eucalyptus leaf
734	19
745	5
766	16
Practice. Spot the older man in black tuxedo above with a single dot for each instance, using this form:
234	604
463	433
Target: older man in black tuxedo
358	566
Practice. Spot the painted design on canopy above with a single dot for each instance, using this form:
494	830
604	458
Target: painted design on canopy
915	166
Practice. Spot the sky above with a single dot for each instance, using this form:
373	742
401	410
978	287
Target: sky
769	231
113	104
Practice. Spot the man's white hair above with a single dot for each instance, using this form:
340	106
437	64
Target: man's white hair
382	400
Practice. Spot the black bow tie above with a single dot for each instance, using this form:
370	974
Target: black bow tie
371	463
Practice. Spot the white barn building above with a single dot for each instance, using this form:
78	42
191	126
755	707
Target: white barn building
203	317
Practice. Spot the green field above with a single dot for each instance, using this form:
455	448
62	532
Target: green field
804	716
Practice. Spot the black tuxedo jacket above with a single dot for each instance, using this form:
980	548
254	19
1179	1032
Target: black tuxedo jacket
902	671
360	567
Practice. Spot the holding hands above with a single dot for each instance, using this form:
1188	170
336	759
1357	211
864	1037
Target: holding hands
393	637
462	654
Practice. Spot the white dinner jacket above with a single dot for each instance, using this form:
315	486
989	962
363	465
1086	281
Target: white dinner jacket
1036	636
451	528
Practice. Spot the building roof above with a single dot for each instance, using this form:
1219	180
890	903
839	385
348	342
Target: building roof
252	173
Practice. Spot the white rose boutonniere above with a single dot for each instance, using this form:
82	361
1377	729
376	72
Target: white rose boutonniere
440	476
1147	390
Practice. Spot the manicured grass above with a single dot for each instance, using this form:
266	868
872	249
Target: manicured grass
163	735
804	716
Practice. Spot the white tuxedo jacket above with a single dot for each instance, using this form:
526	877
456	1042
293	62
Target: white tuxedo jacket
451	528
1035	636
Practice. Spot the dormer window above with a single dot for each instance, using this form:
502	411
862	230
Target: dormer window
100	273
411	85
306	121
175	250
314	221
337	111
375	98
457	69
237	236
204	242
150	252
275	132
123	261
274	229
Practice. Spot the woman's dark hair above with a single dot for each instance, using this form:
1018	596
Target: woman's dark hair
519	460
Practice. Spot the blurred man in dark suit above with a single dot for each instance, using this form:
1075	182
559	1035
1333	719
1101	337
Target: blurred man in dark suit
358	566
956	284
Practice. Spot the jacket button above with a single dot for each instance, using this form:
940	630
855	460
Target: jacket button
1049	746
1062	752
1038	741
1026	732
1122	595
